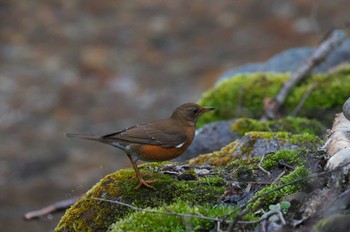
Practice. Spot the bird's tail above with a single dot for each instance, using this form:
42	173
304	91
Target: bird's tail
83	136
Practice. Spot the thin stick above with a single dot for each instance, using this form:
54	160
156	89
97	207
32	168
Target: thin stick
303	99
53	208
263	157
261	168
279	177
159	212
239	102
274	137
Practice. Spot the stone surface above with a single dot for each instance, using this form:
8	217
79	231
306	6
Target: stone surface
211	137
291	59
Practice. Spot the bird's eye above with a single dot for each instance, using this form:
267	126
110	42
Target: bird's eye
195	111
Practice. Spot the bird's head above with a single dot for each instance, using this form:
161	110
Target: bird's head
189	112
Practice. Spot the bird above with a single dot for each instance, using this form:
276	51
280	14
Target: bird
155	141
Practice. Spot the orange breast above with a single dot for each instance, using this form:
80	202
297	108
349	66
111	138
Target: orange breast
158	153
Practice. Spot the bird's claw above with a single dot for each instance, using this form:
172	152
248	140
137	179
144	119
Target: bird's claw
146	183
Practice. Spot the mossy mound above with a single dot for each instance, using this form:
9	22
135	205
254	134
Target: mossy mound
89	214
165	220
247	171
187	189
294	125
243	95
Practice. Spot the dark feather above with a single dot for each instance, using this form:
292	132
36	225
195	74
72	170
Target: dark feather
152	134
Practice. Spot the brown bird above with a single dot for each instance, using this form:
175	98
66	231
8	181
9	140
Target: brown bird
160	140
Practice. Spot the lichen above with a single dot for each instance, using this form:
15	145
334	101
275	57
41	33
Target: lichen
242	95
217	158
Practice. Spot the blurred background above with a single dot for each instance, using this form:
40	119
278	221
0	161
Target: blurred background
99	66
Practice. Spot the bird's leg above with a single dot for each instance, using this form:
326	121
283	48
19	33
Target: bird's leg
139	176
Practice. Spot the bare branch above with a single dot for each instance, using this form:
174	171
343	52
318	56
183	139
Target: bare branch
261	168
53	208
334	40
279	177
303	99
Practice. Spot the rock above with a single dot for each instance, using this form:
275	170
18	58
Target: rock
346	109
291	59
207	190
257	144
211	137
243	95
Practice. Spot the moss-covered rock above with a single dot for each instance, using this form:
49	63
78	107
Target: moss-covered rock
294	125
243	95
89	214
165	220
256	144
184	188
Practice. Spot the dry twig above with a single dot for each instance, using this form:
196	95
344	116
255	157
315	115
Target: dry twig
53	208
334	40
303	99
263	157
159	212
261	168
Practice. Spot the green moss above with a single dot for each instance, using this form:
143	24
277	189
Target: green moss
202	194
284	137
243	95
290	157
294	125
243	170
73	218
244	147
293	158
273	197
305	138
244	163
90	215
146	221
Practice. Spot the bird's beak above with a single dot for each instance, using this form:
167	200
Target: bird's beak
206	109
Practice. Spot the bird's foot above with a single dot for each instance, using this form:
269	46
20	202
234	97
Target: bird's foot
145	183
142	181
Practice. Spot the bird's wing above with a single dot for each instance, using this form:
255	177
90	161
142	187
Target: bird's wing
153	134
